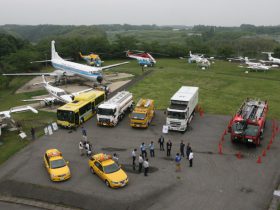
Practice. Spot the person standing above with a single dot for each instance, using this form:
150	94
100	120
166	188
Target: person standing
133	154
161	143
191	158
32	131
84	133
188	150
143	150
146	167
178	159
81	148
182	149
168	147
140	161
152	149
115	158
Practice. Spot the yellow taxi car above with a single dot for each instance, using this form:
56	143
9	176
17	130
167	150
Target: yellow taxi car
56	166
108	170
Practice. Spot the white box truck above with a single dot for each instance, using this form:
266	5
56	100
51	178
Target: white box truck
110	112
182	108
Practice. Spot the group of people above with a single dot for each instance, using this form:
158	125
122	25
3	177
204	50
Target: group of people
143	159
85	146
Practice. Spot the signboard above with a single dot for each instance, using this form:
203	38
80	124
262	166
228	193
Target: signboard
46	131
276	193
22	135
54	126
50	130
165	129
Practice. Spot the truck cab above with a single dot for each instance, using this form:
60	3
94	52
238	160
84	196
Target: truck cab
142	114
182	108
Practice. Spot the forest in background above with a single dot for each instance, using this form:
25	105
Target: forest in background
20	44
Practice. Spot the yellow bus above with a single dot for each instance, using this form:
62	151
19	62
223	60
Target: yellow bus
80	110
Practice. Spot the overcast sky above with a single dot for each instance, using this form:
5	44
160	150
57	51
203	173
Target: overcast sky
160	12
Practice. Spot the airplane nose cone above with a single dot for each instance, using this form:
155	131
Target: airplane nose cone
99	79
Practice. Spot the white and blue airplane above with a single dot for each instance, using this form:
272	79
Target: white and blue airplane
68	68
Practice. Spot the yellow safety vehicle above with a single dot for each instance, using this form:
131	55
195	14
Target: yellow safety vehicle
108	170
143	113
56	166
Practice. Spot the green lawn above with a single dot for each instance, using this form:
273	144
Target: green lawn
222	88
13	143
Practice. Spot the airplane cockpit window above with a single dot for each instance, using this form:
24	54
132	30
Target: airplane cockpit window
61	93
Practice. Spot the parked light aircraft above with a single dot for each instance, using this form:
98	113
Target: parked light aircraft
6	115
68	68
143	58
271	59
57	94
92	59
239	58
255	66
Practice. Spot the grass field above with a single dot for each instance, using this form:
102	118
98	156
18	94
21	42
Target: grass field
222	88
11	141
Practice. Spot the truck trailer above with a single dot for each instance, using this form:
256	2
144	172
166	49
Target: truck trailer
182	108
248	123
110	112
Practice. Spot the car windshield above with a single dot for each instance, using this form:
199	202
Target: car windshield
67	116
111	168
176	115
238	127
251	130
105	111
57	163
138	116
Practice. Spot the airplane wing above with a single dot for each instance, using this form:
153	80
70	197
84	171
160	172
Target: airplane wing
47	100
82	91
23	109
112	66
31	74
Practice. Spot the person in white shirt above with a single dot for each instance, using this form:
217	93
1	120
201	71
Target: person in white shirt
140	161
191	158
81	148
133	154
146	167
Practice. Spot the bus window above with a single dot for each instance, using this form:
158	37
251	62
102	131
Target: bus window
99	99
77	121
85	108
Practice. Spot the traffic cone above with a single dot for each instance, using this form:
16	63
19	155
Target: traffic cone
259	160
264	153
268	147
238	155
225	131
271	140
220	149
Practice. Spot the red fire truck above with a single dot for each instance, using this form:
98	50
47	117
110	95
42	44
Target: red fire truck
248	123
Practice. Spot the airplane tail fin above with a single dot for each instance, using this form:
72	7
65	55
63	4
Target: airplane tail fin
268	54
53	52
190	52
246	59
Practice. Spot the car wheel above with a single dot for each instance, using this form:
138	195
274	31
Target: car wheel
107	183
91	170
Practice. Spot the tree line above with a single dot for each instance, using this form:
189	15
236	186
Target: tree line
16	52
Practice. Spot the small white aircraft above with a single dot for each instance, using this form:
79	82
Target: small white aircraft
239	58
4	115
271	59
255	66
58	94
68	68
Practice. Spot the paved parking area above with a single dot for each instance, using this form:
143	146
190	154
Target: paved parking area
215	182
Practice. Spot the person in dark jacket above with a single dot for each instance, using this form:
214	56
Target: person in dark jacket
168	147
188	150
182	149
161	143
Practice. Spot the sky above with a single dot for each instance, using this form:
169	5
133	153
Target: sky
159	12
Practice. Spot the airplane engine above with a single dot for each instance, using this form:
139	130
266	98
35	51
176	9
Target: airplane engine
99	79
